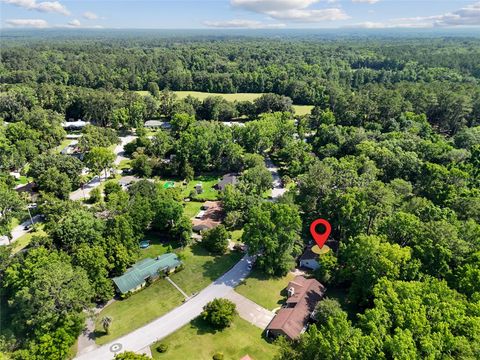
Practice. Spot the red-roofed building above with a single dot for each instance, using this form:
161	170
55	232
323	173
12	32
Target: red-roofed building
292	320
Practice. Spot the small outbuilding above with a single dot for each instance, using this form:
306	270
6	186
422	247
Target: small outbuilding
157	124
145	270
309	259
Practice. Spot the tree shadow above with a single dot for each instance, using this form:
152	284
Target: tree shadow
202	326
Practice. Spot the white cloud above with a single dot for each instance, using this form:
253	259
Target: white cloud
44	6
264	6
35	23
74	23
90	15
366	1
467	16
292	10
245	24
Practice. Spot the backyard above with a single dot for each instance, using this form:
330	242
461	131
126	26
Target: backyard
201	269
268	292
199	341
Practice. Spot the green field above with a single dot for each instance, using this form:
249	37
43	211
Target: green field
299	109
199	341
268	292
201	269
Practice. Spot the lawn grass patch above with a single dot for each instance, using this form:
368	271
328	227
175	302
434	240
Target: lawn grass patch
236	235
159	245
266	291
191	208
200	270
63	145
23	241
208	182
125	164
137	310
198	340
303	109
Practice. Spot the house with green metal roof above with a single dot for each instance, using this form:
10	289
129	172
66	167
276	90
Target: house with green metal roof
137	276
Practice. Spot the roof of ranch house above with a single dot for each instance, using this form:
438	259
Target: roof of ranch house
292	319
142	270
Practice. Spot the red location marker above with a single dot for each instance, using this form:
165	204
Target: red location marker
320	238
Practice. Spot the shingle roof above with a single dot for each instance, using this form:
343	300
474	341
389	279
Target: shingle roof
226	180
139	272
293	319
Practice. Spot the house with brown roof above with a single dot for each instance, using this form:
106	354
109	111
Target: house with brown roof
292	319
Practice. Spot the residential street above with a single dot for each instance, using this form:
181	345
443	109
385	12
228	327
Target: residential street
19	231
278	190
175	319
81	194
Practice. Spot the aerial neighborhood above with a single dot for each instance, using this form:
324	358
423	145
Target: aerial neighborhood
246	194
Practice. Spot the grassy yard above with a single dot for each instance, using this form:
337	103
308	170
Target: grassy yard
137	310
201	269
125	164
208	183
199	341
191	208
265	291
24	240
302	109
158	245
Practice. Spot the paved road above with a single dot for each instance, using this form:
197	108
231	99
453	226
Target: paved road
19	231
81	194
278	190
176	318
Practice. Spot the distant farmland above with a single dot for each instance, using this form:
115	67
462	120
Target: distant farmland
299	109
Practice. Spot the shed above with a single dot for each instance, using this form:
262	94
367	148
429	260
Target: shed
227	179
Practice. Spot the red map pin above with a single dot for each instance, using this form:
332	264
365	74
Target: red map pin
320	238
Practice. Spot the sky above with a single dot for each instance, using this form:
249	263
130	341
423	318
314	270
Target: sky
239	14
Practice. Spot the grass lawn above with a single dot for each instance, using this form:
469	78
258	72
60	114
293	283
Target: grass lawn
191	208
137	310
268	292
302	109
125	164
199	341
208	182
201	269
63	145
23	241
159	245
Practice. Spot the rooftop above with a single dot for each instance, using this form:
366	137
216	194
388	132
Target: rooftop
226	180
292	319
142	270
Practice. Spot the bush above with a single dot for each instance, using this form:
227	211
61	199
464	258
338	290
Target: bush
218	356
162	347
219	313
95	196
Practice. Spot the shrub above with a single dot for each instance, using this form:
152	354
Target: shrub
218	356
162	347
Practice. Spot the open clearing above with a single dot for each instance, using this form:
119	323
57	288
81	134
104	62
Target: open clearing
299	109
199	341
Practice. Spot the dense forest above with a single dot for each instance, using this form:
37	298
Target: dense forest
390	154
